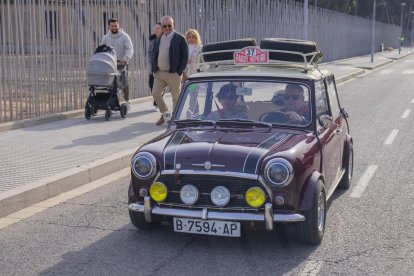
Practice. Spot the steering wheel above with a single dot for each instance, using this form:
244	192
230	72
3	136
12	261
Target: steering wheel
274	117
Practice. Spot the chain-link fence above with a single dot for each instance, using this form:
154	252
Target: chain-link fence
45	44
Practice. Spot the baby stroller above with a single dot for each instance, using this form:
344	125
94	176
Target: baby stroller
105	84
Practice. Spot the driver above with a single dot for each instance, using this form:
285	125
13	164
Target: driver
228	99
294	104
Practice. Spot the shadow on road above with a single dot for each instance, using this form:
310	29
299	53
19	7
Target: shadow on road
164	252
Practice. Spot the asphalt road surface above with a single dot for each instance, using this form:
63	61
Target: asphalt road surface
369	230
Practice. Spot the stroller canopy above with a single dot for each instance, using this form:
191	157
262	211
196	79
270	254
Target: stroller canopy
102	67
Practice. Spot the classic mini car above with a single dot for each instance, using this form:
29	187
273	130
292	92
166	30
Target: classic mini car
258	138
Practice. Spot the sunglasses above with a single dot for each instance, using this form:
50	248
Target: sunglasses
166	26
293	97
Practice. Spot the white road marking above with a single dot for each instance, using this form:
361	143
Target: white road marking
363	181
311	268
412	101
48	203
385	71
409	60
391	137
405	114
408	72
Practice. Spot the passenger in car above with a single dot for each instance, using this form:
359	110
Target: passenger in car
228	99
294	104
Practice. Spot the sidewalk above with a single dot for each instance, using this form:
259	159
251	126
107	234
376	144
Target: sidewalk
44	157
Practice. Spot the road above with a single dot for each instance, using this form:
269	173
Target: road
369	231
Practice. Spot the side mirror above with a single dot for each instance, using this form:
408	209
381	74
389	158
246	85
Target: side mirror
325	120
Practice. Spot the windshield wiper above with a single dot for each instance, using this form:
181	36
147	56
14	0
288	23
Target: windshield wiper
243	122
195	122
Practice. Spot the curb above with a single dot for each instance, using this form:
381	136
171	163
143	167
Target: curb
373	67
55	117
22	197
350	76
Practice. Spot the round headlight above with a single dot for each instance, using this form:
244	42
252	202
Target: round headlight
278	172
255	197
220	196
158	192
189	194
144	165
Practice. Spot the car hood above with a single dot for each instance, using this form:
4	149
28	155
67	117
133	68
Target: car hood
220	150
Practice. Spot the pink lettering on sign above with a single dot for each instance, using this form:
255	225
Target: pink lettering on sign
251	55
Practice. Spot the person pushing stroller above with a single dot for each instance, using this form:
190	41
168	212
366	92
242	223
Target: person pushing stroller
122	44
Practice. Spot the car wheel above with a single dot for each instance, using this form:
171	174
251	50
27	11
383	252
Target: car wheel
138	220
311	230
349	168
283	44
108	114
225	45
123	110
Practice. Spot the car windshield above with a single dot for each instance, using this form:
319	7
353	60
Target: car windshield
277	103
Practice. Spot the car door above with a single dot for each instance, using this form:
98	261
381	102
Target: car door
330	132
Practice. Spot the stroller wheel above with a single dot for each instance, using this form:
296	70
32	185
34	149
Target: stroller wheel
108	113
94	111
88	112
123	110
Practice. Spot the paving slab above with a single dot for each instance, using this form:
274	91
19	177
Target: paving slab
43	160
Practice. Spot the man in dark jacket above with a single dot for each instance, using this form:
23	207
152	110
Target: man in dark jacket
156	33
169	59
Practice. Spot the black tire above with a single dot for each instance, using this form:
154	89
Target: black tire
138	220
108	114
225	45
284	44
123	110
349	169
88	112
311	230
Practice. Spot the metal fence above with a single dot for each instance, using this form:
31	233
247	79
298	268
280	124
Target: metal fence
45	44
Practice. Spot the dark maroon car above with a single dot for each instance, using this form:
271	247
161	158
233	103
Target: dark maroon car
257	139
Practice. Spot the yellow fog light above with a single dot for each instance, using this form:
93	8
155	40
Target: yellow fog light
158	192
255	197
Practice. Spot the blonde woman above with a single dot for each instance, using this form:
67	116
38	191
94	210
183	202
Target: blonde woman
194	50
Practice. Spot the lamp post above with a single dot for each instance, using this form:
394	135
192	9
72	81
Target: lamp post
373	32
401	37
305	19
412	27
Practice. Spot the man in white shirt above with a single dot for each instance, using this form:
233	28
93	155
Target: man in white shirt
122	44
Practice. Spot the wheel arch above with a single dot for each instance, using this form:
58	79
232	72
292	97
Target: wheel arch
308	190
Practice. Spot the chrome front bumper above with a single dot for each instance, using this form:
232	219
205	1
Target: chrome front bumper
268	217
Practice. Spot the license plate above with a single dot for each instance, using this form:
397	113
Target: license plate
207	227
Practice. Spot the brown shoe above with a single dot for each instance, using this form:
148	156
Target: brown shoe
160	121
